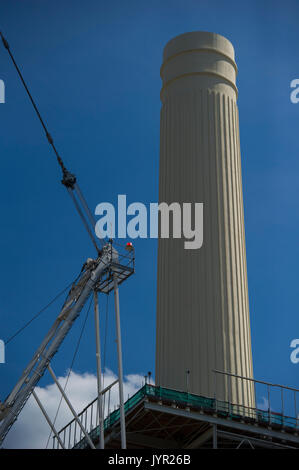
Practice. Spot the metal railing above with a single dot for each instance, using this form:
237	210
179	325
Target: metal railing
123	265
71	434
270	415
275	404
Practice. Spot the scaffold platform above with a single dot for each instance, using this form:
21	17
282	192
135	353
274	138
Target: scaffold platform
160	418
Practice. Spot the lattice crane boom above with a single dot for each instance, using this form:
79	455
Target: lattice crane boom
77	297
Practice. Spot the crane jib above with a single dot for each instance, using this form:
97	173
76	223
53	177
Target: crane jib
14	403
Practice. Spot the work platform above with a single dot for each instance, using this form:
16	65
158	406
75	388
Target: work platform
160	418
122	264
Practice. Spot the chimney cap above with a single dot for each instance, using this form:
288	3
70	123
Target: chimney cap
198	40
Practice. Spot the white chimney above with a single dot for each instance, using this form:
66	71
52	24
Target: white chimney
202	304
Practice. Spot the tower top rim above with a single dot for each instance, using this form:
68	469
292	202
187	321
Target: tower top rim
198	40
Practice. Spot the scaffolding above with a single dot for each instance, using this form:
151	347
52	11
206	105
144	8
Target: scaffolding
157	417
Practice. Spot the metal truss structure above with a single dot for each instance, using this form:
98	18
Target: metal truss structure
100	275
159	418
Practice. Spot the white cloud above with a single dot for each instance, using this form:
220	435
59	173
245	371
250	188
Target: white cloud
264	404
31	430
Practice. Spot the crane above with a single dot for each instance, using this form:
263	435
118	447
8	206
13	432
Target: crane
102	274
75	301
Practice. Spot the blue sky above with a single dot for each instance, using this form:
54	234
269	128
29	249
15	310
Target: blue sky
93	67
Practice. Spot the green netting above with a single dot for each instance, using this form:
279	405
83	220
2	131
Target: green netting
221	408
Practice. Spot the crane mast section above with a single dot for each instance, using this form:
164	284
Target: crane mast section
77	297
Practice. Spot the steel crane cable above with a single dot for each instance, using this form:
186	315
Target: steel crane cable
69	180
10	338
71	367
40	312
50	140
